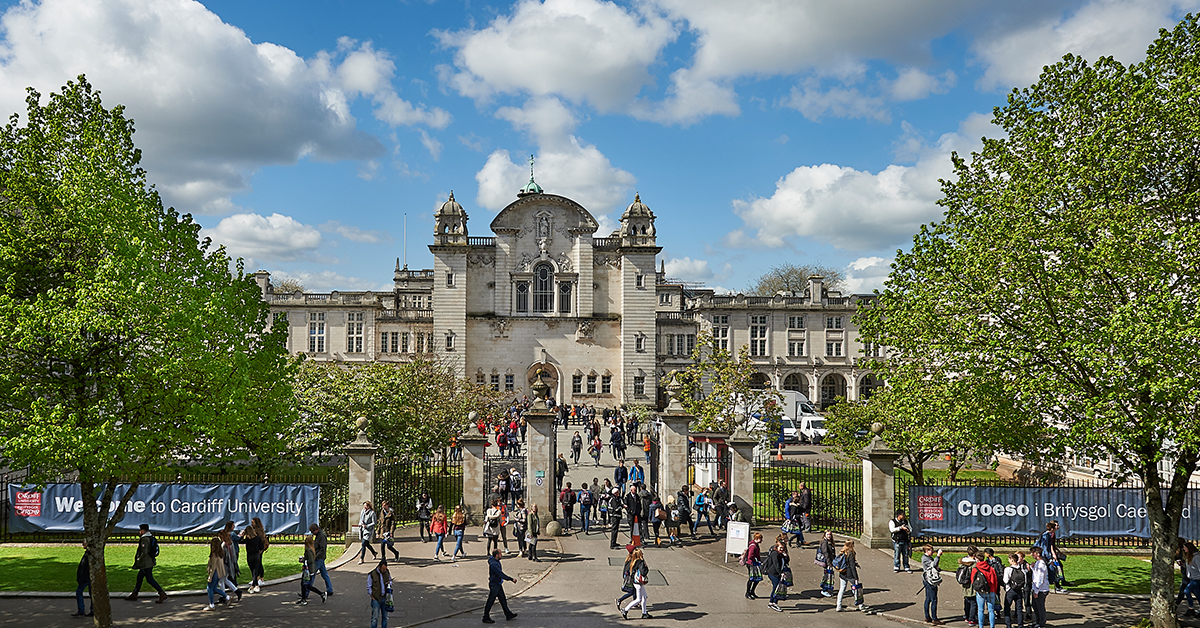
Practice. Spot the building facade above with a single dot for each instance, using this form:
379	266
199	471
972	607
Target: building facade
543	293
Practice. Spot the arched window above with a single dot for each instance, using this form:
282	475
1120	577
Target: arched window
832	387
564	298
758	381
543	288
796	382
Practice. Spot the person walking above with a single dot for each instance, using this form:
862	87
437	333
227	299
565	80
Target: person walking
459	521
637	475
567	498
986	583
703	505
586	499
255	546
424	516
576	447
235	540
516	485
320	551
641	575
633	510
597	448
931	576
307	572
793	521
519	517
387	523
826	552
533	529
230	564
145	560
496	580
776	568
901	541
439	526
379	591
366	531
560	472
620	475
753	562
83	580
1015	579
846	566
1053	555
491	526
216	573
1041	588
615	504
627	588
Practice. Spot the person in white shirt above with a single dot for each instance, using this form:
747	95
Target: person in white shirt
1041	588
1015	580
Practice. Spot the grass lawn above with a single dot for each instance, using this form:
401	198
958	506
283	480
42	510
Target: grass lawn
52	567
1093	573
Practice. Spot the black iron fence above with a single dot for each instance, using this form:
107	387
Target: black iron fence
331	480
836	491
706	466
400	482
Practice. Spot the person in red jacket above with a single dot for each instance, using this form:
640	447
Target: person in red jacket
753	565
985	582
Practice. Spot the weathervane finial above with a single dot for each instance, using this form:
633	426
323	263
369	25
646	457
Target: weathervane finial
531	166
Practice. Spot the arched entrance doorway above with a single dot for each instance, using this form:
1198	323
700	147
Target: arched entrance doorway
550	377
760	381
867	384
833	386
797	382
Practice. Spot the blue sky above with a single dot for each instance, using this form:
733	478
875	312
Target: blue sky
299	134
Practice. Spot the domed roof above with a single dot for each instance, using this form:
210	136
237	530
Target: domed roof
450	207
530	188
637	209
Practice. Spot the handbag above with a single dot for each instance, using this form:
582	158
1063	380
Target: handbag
755	572
389	605
819	559
786	577
786	527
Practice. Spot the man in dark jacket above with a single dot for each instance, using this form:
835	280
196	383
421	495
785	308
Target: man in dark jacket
633	509
615	503
560	472
379	582
621	476
720	504
144	562
83	578
496	578
646	498
321	549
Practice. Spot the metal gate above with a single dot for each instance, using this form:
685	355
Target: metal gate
493	466
709	463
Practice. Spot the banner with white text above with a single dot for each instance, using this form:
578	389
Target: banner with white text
170	508
1025	511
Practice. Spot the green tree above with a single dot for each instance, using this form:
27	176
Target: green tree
126	341
413	408
1064	272
789	277
717	390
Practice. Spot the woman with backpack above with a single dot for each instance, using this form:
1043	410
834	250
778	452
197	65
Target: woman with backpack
491	526
985	582
931	577
672	510
307	573
639	573
703	505
627	588
775	567
963	577
657	516
520	518
846	566
752	559
825	555
459	523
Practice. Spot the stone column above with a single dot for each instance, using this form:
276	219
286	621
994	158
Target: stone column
361	488
673	441
879	490
541	450
741	472
474	484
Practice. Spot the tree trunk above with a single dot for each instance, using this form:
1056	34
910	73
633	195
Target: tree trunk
1164	534
97	525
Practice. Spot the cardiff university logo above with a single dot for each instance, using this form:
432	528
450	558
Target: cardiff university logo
930	508
29	504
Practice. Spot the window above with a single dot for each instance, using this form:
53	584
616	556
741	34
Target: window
639	386
664	298
449	342
509	382
403	342
591	382
543	288
479	378
316	332
691	344
721	332
606	384
354	332
449	280
795	322
758	335
795	348
640	281
417	301
577	384
870	350
833	322
833	349
564	298
383	342
639	343
278	315
396	342
420	342
523	296
670	344
495	385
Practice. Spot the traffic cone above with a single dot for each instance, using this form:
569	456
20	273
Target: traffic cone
637	538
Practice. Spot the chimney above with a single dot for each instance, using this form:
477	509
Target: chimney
816	289
263	279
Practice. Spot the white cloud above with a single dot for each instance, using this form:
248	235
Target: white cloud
354	234
689	269
272	238
1118	28
814	103
582	50
853	209
328	281
915	84
565	165
210	105
431	144
866	274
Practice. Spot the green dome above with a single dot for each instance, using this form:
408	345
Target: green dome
530	188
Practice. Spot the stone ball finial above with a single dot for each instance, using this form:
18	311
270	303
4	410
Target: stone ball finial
877	428
473	416
361	423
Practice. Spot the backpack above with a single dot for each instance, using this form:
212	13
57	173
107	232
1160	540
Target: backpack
515	480
585	498
1017	579
840	563
154	547
979	583
742	558
963	575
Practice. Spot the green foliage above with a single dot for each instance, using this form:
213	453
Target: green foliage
412	408
716	390
1062	280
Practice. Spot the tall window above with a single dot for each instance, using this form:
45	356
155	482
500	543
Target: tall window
449	280
509	382
316	332
564	298
591	384
354	332
833	349
639	386
523	296
833	322
871	350
691	344
577	384
449	342
640	281
795	322
639	343
606	384
383	342
418	302
670	344
396	342
795	348
278	315
664	298
403	341
479	378
495	385
420	342
543	288
758	335
721	332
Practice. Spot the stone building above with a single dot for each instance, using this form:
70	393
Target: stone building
545	293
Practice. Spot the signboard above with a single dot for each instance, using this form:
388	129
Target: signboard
737	537
171	508
1025	511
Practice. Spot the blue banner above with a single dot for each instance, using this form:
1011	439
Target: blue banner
1025	511
170	508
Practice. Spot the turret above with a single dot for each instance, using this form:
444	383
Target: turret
450	223
637	224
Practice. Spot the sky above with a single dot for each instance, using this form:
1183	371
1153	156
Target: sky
304	135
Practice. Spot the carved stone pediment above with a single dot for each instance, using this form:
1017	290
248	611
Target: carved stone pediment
586	332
